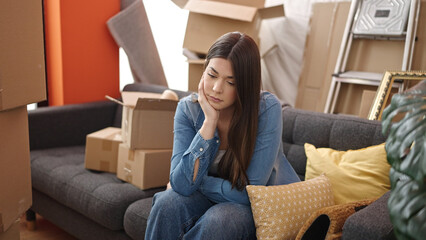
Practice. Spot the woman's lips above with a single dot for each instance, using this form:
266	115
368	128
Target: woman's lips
215	99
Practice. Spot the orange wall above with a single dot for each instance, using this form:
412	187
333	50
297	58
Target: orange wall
81	56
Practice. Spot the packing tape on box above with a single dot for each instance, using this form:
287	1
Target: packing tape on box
131	155
107	142
128	172
104	165
125	124
106	145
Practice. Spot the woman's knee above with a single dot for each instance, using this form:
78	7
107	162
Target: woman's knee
170	202
165	201
226	221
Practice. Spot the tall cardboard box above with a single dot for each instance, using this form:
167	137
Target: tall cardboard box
102	149
15	172
147	121
195	71
208	20
12	233
22	67
144	168
320	53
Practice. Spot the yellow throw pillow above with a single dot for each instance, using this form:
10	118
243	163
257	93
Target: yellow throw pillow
280	211
354	174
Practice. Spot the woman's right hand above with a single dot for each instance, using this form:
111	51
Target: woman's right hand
210	113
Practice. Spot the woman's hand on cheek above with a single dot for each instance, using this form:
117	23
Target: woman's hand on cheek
211	114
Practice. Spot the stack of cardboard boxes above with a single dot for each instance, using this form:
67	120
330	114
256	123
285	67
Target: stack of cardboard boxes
210	19
22	81
140	151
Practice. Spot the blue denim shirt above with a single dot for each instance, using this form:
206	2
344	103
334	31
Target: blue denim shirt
268	165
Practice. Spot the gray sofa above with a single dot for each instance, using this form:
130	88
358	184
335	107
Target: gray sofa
97	205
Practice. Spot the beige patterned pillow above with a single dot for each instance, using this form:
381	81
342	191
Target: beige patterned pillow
280	211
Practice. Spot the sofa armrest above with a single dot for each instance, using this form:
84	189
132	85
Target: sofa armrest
68	125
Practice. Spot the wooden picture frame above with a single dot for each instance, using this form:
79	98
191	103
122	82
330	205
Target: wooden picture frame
384	89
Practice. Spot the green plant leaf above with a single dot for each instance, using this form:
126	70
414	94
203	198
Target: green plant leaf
406	152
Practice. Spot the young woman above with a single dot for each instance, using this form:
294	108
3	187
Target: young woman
226	137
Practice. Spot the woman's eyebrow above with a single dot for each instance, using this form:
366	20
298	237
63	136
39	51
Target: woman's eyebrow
214	70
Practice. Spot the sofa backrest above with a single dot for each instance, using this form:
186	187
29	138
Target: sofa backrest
338	132
68	125
300	126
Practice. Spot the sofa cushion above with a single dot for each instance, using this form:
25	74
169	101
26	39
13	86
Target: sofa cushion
280	211
102	197
354	174
136	218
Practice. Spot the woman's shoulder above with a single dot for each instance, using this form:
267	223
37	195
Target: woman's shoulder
189	105
268	100
190	100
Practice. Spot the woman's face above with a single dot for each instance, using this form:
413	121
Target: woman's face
220	84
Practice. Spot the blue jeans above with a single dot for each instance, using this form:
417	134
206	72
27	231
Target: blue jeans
174	216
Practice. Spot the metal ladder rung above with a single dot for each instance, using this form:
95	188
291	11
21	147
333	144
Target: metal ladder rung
360	75
360	81
380	37
362	78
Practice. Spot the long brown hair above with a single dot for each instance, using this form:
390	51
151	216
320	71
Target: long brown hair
243	53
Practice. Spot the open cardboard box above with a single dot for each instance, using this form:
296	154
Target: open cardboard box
144	168
208	20
147	121
102	149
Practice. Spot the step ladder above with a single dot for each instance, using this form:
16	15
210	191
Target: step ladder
378	20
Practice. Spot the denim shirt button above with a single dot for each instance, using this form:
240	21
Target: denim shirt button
201	149
217	141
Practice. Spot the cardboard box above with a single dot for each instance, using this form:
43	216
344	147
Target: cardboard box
15	171
22	68
144	168
147	121
208	20
320	53
13	233
195	71
367	100
102	149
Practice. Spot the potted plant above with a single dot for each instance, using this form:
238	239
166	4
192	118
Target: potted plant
406	153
